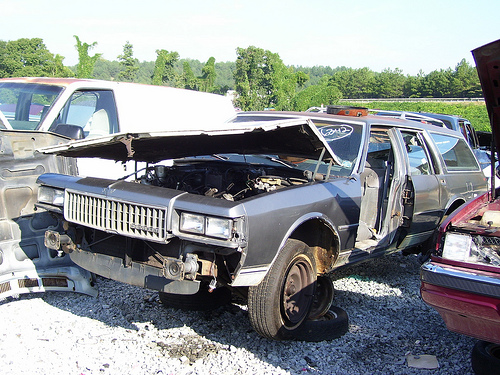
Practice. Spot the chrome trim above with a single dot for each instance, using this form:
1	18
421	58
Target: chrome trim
250	276
465	281
116	216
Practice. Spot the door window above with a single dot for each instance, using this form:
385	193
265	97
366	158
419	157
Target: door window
93	110
417	155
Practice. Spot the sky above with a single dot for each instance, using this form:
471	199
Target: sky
410	35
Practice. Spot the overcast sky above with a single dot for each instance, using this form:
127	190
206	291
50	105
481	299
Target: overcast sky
410	35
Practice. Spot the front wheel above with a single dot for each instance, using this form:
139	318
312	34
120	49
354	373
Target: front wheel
282	301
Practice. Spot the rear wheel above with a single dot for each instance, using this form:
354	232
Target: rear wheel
282	301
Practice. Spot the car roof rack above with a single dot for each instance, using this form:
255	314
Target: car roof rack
412	116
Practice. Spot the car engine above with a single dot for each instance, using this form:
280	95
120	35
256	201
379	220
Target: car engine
231	182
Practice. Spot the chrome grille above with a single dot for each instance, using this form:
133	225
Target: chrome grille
119	217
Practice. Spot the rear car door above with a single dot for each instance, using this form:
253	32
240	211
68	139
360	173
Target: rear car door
461	177
423	190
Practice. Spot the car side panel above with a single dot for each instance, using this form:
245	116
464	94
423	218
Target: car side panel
271	216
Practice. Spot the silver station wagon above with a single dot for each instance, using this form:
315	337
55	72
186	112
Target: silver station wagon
262	207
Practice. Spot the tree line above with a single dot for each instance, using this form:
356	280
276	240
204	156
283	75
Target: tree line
259	77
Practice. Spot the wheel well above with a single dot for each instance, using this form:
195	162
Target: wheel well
322	240
454	206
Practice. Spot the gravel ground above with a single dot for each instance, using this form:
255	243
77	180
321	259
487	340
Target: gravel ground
127	331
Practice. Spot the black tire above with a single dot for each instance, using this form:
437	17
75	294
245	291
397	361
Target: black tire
485	358
282	300
332	325
202	300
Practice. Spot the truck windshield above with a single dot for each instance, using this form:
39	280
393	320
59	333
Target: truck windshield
24	105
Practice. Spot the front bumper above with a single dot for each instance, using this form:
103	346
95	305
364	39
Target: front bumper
467	300
137	274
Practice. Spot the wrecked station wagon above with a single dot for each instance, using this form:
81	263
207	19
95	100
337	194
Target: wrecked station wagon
264	207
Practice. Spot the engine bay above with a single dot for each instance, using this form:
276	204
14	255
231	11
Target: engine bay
224	180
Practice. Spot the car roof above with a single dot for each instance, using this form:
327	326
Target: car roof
372	120
143	107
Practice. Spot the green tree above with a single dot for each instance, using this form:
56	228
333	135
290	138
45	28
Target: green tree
301	78
29	58
249	79
128	63
282	82
324	93
389	84
107	70
465	81
86	63
188	79
437	84
262	80
59	69
164	73
411	88
355	83
208	75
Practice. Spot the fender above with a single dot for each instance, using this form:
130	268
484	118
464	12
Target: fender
249	276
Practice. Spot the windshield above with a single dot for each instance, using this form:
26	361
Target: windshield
344	140
24	105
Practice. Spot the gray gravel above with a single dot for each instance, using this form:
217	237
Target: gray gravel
127	331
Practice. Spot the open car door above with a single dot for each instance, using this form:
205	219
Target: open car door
26	265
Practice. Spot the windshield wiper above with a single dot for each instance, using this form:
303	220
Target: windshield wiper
279	161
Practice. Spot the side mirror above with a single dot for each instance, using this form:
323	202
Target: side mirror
70	131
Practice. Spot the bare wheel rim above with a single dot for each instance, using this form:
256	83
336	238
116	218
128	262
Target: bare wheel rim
323	298
298	292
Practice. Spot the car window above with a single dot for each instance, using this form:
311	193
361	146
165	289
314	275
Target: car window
25	104
417	156
456	153
93	110
448	123
343	139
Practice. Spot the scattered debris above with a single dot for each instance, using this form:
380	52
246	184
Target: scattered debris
424	361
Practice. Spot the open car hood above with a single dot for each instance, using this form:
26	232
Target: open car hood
296	137
487	60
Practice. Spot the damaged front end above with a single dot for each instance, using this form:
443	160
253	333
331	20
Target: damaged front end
26	264
462	279
473	235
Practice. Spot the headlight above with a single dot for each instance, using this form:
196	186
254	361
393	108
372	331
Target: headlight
206	225
468	249
220	228
51	196
192	223
457	247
